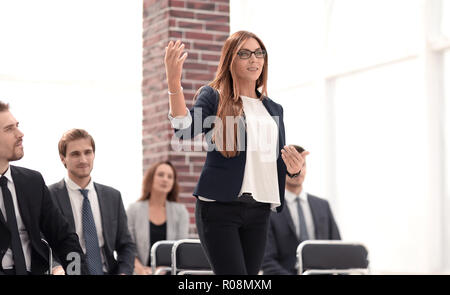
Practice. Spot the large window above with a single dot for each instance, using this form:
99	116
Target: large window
446	18
362	95
303	119
292	34
379	176
366	32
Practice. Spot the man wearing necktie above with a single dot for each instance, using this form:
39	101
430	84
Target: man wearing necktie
93	210
306	217
27	212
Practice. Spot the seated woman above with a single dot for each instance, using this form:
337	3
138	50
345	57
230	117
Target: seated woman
157	215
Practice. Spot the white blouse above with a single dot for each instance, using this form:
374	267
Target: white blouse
260	174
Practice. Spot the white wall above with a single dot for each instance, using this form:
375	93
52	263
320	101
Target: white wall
76	64
446	116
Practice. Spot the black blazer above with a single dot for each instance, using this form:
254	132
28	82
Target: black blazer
281	250
114	222
221	178
40	216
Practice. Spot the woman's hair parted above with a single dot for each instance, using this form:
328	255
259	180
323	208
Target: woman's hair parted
230	105
147	183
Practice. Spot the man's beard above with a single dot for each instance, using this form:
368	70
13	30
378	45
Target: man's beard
81	175
294	185
17	155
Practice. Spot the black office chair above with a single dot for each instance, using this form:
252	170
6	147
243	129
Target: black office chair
188	258
332	257
161	256
50	256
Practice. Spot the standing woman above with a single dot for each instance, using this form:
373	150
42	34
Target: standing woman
156	216
244	174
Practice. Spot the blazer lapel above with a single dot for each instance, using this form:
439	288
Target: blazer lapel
103	204
288	218
21	194
62	197
169	214
269	107
315	211
2	219
143	230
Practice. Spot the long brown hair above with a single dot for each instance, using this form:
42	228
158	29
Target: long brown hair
226	83
147	183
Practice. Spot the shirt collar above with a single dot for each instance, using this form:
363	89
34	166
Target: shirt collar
290	196
251	100
75	187
8	174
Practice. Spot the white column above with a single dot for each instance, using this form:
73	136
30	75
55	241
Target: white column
436	205
326	86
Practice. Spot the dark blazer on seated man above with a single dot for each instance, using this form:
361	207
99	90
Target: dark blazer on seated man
281	249
94	211
27	212
288	229
38	215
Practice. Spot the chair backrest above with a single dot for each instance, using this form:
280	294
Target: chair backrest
332	257
161	256
50	256
188	257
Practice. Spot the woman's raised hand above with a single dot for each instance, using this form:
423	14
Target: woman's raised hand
174	60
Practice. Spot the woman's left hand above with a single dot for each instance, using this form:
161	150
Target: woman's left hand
294	160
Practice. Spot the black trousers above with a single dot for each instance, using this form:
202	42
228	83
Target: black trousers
233	234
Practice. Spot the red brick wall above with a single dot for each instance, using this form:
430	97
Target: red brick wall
203	26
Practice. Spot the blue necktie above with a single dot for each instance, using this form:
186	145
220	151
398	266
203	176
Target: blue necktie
11	222
94	260
301	219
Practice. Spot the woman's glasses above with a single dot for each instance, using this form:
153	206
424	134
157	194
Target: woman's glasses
246	54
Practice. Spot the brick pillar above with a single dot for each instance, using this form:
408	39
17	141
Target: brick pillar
203	27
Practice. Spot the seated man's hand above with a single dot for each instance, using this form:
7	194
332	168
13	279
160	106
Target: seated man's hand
58	271
144	270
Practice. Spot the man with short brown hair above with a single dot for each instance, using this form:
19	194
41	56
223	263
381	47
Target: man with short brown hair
94	211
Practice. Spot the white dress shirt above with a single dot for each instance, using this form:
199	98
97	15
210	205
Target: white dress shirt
291	202
76	201
8	260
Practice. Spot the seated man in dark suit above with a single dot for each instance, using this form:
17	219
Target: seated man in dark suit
93	210
27	212
305	217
